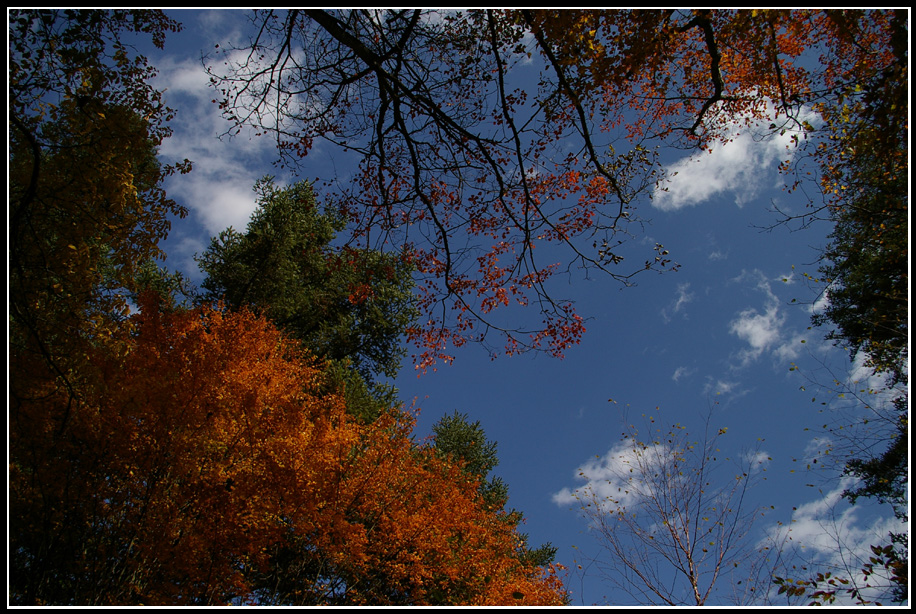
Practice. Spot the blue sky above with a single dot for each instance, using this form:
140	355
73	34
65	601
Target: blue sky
727	333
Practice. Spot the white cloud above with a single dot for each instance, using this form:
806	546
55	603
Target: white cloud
223	24
682	298
761	331
722	387
876	386
219	201
682	372
789	350
820	304
219	189
834	535
187	77
757	459
739	167
605	484
765	329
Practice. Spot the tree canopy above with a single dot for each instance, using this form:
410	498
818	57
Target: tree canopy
865	268
213	473
86	204
166	453
472	171
243	449
338	301
864	273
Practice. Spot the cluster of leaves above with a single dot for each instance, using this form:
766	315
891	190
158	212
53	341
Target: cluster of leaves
234	451
469	169
349	307
458	439
884	568
865	180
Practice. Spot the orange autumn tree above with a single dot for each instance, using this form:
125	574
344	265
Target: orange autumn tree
199	455
86	206
501	147
410	529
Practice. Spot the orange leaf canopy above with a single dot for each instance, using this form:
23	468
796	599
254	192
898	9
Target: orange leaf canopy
201	466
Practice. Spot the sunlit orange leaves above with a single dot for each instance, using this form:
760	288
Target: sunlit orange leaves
416	531
180	451
200	466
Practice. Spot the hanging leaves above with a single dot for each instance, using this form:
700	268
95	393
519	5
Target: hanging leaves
471	171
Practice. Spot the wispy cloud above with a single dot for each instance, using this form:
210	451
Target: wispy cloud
682	297
765	329
219	189
682	372
724	387
738	168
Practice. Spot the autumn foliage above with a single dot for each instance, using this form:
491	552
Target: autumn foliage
199	457
169	455
503	147
166	454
